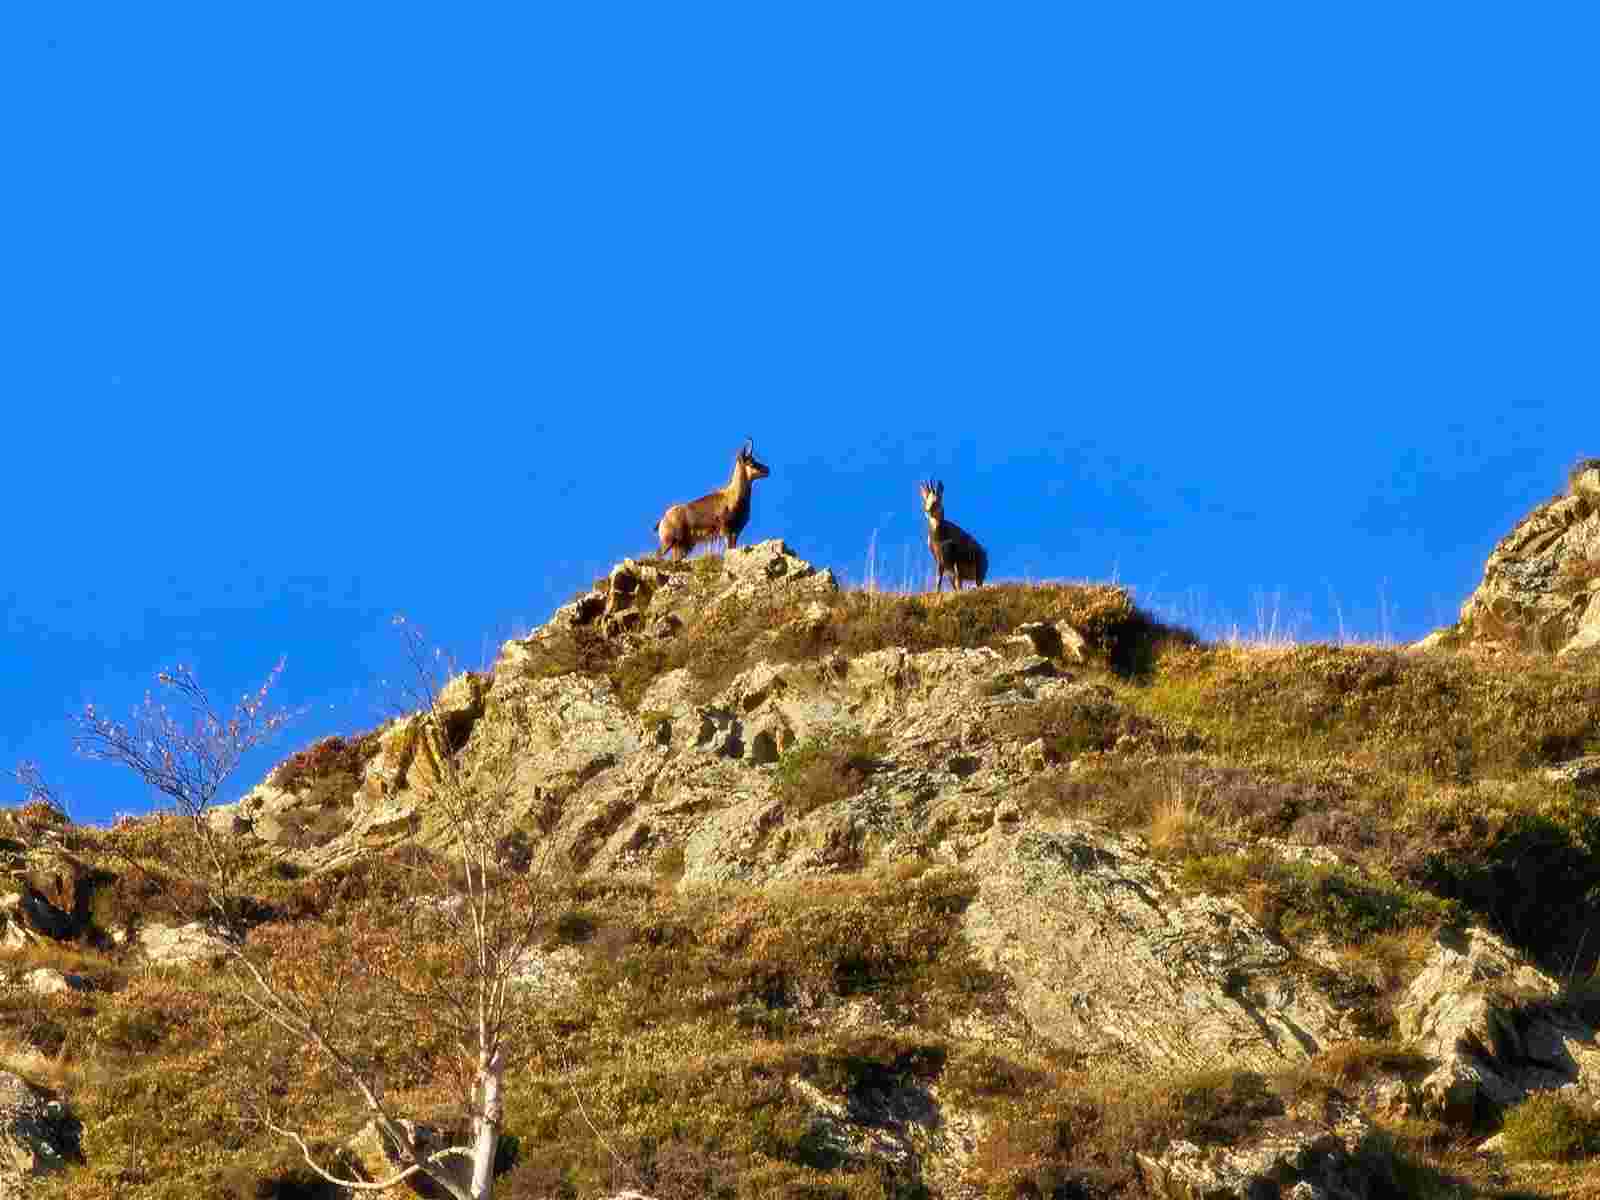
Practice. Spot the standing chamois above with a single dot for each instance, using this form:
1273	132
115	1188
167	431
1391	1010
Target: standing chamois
953	548
722	514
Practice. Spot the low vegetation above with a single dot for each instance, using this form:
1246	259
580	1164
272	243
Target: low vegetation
1551	1127
1359	798
819	772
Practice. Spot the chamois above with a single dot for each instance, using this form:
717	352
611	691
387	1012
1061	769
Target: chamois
722	514
953	548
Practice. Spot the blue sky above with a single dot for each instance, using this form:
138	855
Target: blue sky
312	316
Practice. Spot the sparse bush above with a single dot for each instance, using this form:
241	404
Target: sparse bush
1550	1127
1447	717
1352	1061
1086	719
1296	897
1177	827
826	769
329	771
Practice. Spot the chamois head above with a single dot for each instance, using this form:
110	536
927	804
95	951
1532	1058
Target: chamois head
745	463
932	498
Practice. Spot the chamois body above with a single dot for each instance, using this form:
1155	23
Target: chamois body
721	515
955	551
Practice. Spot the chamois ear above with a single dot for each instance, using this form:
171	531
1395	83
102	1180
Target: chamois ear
748	450
938	489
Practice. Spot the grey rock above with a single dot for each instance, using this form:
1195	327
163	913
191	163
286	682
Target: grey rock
181	945
1493	1024
1303	1159
37	1135
1108	957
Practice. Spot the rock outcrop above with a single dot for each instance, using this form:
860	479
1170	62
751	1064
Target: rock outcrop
1109	958
1306	1160
1496	1028
1541	584
36	1135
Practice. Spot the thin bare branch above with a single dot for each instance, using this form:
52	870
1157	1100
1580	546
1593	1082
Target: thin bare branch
356	1185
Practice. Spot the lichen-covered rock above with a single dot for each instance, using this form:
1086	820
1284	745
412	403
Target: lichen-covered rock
283	818
1493	1024
548	976
180	945
763	565
903	1123
1109	958
1297	1158
1530	594
37	1135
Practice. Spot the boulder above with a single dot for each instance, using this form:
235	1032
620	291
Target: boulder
902	1122
51	900
1054	639
27	916
281	818
1495	1027
1299	1158
181	945
764	565
47	981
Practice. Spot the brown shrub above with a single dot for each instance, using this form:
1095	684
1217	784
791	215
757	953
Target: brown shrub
328	772
823	770
1085	720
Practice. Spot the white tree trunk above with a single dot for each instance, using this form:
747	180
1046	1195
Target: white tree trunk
486	1125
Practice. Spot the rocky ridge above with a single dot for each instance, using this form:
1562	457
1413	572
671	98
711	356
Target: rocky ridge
1107	954
721	746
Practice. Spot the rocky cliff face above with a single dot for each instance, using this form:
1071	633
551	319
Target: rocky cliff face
1541	585
775	759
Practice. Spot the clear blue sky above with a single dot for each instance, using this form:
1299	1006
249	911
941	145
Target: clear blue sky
310	315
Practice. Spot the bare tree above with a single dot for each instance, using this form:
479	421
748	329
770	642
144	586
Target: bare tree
477	923
36	788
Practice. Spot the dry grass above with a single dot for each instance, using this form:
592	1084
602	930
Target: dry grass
1177	827
725	639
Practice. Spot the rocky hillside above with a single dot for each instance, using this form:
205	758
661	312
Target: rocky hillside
1010	893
